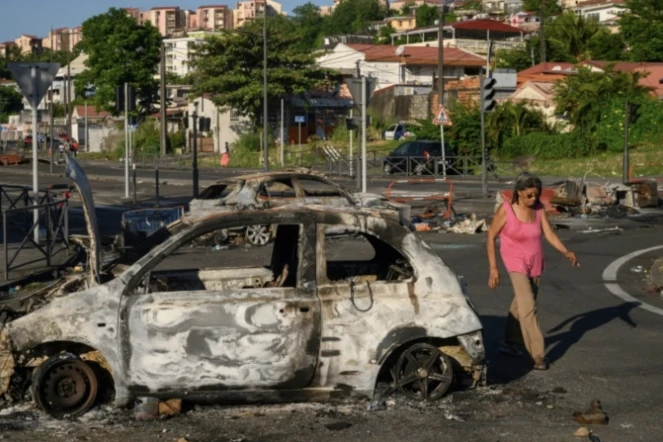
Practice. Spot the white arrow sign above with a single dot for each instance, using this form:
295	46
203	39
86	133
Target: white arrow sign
33	90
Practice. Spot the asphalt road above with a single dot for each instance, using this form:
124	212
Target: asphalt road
600	347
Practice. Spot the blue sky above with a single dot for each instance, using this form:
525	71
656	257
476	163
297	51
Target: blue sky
36	17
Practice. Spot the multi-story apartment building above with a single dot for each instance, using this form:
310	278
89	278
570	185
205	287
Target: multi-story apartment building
180	52
6	48
248	10
29	44
214	18
167	19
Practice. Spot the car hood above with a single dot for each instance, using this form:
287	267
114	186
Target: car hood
77	175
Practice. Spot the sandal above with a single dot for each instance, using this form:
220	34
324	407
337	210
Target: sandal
540	364
510	350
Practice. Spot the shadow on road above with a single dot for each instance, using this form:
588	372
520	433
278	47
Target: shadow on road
560	343
502	369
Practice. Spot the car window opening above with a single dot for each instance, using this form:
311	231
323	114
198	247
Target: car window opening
278	189
358	257
219	268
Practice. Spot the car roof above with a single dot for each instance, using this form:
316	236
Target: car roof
283	174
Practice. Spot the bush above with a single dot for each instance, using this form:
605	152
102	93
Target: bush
177	139
547	146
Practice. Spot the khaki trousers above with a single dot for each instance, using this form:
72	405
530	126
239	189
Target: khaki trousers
522	325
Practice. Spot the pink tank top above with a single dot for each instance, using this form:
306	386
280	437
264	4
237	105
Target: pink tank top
521	244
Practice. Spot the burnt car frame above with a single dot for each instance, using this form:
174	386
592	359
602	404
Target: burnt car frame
269	189
305	328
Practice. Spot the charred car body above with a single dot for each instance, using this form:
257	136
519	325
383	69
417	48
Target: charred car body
310	325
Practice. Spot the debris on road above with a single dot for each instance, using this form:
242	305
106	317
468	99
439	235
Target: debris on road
469	225
593	416
581	432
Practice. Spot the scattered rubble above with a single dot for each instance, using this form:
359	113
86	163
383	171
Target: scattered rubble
593	416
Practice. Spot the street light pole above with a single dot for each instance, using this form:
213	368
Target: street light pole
264	110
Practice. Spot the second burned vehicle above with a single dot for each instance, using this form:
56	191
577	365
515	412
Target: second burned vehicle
328	315
263	190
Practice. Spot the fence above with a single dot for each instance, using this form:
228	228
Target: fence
51	224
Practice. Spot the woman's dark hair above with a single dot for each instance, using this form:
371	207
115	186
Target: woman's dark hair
525	181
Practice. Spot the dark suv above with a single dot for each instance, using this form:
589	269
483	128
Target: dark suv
417	157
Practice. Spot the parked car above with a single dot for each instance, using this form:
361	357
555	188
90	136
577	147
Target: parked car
279	188
418	157
318	321
396	132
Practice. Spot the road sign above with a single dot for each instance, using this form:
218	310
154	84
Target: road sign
34	91
132	127
300	119
354	85
442	117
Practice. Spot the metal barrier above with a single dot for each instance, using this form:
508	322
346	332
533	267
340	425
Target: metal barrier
632	168
447	196
54	214
138	225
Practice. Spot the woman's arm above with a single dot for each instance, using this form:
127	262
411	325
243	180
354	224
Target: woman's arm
554	240
499	220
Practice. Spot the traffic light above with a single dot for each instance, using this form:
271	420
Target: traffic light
633	113
488	91
119	99
204	124
131	95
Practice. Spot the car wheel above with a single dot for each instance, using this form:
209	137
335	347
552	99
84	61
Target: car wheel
423	372
64	386
258	235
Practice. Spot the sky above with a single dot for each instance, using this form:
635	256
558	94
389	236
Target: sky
36	17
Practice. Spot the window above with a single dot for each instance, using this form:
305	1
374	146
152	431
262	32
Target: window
360	257
281	188
313	187
594	16
215	261
234	116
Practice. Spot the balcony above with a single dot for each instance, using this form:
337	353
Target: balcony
481	46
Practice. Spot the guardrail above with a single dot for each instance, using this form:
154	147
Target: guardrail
52	223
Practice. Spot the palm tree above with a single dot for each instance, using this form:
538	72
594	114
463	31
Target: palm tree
573	32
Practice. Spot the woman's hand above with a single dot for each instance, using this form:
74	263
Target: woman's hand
494	278
572	257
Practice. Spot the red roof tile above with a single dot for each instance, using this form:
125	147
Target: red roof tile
419	55
550	67
485	25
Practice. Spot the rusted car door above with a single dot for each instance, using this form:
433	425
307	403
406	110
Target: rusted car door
214	340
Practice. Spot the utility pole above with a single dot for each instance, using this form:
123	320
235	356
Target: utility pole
164	138
625	161
52	115
282	132
265	110
126	140
87	141
69	92
440	81
195	152
363	131
542	35
484	159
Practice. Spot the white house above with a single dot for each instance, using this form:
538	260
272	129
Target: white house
603	11
392	65
226	125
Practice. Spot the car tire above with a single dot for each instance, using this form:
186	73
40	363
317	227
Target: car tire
65	386
423	372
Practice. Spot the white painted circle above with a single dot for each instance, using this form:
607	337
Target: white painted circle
610	280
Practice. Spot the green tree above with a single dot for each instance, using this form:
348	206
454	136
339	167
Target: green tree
642	27
406	10
573	34
385	34
308	26
4	70
120	51
230	68
426	15
352	16
550	7
11	102
583	96
607	46
518	59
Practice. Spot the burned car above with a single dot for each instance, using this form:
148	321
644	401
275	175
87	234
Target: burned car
320	320
271	189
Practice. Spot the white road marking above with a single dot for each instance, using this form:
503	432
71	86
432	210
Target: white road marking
610	280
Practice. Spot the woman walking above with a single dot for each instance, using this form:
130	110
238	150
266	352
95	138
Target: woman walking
521	225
